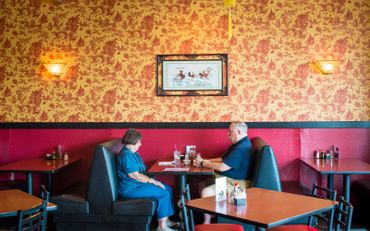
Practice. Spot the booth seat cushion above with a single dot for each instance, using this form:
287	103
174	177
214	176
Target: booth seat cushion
13	184
361	193
73	200
134	207
71	204
362	189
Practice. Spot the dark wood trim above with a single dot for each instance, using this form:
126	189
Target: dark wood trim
184	125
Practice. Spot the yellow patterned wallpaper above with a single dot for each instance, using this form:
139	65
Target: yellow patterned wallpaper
110	48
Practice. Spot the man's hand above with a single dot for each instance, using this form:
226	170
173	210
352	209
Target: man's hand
197	161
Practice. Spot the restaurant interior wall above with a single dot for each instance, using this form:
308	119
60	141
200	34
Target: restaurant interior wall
110	46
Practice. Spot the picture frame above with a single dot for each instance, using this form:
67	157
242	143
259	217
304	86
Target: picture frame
192	75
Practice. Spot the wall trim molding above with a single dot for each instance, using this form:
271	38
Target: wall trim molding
181	125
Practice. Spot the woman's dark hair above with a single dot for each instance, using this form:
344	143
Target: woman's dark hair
131	137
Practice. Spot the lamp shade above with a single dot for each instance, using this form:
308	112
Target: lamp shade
55	69
326	66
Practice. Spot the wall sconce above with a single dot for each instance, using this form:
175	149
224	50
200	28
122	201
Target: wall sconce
55	69
326	67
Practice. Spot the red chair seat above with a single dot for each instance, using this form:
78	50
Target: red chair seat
293	228
219	227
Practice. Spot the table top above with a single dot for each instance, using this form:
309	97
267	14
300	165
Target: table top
156	169
13	200
40	165
337	166
264	208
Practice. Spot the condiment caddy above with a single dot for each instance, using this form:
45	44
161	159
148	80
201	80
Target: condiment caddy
332	152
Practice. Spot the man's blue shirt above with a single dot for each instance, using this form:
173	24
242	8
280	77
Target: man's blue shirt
240	158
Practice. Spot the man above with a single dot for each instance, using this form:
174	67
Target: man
236	163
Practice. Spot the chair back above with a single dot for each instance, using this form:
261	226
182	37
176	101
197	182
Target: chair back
343	218
266	172
188	220
323	193
45	195
187	216
32	219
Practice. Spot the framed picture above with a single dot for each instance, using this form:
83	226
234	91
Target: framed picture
192	74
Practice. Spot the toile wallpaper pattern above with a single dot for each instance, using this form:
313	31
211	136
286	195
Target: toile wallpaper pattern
109	47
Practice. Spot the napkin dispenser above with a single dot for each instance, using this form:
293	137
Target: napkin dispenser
240	198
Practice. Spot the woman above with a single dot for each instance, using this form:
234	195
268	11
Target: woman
134	182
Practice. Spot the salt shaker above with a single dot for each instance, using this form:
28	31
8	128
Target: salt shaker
66	157
316	154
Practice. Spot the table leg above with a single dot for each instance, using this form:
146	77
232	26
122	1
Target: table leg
50	183
29	183
330	181
190	220
182	183
346	185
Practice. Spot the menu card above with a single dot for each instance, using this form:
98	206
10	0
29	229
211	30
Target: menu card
166	163
220	188
176	169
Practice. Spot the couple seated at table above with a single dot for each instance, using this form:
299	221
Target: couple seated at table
235	164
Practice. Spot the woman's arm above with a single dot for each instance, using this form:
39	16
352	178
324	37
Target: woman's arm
145	179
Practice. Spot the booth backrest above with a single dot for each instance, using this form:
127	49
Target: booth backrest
266	173
102	188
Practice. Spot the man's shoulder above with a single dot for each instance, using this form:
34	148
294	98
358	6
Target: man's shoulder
245	143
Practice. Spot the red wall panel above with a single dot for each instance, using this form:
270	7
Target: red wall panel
353	143
288	144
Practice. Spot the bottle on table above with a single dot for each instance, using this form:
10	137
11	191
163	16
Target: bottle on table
336	151
53	155
177	157
59	152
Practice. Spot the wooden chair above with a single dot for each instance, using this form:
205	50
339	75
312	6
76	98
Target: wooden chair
327	217
32	219
188	221
343	216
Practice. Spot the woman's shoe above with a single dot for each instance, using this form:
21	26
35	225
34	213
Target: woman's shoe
172	224
165	229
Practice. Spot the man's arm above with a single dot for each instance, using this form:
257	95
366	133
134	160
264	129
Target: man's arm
218	166
216	160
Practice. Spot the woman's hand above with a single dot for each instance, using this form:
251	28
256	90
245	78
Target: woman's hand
158	183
